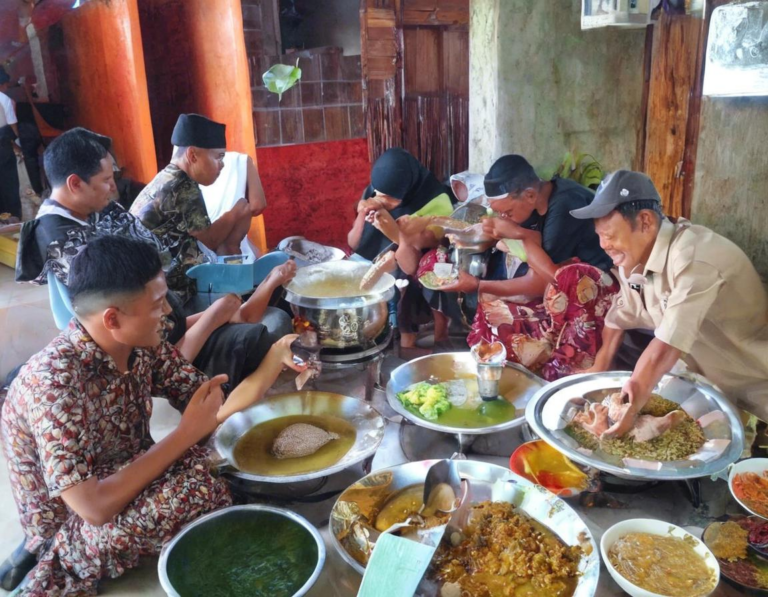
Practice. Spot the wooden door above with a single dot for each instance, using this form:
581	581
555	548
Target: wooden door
416	80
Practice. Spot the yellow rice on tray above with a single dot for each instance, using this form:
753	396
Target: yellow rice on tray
679	442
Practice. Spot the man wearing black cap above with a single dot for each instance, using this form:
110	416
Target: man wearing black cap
696	289
173	208
537	213
10	151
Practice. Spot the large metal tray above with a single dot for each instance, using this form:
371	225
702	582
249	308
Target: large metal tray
366	420
547	412
453	365
487	482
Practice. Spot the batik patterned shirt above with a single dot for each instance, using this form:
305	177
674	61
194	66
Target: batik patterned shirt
71	415
172	207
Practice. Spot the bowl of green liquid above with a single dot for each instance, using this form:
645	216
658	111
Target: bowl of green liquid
252	550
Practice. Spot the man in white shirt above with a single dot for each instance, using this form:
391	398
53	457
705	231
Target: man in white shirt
10	201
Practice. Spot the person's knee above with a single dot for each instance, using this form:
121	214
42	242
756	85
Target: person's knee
277	322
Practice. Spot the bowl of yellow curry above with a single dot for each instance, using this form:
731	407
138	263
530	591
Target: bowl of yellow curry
653	558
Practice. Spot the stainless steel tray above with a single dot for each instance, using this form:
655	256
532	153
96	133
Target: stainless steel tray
487	482
547	414
366	420
452	365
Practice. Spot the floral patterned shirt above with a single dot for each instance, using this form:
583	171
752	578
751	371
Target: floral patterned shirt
172	207
71	414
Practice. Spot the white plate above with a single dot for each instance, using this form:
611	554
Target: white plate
751	465
653	527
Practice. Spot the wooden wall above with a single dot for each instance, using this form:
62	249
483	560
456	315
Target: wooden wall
416	79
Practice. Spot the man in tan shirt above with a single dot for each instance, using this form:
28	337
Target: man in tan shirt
696	289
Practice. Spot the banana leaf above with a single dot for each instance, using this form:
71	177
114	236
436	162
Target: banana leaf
281	77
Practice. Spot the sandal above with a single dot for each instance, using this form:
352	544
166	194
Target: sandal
16	567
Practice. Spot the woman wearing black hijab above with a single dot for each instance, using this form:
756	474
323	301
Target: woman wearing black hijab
401	186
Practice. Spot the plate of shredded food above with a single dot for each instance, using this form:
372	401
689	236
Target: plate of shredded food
687	428
653	558
740	544
515	539
748	482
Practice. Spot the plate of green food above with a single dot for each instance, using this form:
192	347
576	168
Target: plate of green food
441	392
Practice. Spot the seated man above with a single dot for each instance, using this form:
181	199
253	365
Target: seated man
94	491
695	288
239	178
79	168
172	205
548	311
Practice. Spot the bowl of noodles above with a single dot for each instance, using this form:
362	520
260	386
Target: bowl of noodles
653	558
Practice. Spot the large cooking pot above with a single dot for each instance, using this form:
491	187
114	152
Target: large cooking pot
328	297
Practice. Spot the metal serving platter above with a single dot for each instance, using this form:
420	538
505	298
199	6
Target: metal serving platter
487	482
454	365
547	414
366	420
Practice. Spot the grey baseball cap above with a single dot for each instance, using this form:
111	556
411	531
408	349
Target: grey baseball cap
622	186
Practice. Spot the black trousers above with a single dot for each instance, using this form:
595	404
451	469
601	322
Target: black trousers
10	201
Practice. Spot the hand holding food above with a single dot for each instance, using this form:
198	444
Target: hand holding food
367	205
503	228
281	274
633	400
385	265
383	221
465	283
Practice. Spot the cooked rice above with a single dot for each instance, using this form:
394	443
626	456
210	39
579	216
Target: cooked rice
679	442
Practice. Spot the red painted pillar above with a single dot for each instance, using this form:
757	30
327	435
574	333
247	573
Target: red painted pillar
199	64
105	80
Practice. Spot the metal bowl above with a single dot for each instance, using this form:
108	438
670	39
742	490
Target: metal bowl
298	245
187	549
547	414
487	482
368	423
342	321
453	365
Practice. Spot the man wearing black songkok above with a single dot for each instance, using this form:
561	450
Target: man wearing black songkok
172	205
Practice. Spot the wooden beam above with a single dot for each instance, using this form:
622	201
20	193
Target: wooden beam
673	76
694	120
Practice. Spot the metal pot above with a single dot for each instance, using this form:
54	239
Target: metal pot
368	423
343	319
184	550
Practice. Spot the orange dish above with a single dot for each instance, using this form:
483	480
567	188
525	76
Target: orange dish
752	489
540	463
